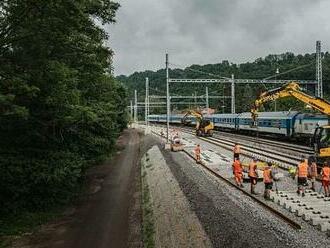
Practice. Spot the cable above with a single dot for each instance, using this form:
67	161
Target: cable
297	68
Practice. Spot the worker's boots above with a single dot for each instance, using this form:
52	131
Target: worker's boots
313	187
267	195
253	192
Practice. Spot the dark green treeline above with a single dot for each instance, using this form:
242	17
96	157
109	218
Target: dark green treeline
297	66
60	108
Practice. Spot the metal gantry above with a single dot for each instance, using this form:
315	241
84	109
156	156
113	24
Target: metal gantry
190	97
317	83
234	81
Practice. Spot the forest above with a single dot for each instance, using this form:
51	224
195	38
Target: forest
295	67
61	109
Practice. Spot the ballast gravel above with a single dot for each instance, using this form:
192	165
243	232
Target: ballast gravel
230	218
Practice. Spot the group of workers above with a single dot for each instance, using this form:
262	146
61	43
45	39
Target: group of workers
306	170
252	173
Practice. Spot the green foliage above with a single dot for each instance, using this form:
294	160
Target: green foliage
245	94
60	108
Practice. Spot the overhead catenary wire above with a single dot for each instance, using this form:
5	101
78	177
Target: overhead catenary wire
286	72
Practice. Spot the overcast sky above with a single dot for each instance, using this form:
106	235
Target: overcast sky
209	31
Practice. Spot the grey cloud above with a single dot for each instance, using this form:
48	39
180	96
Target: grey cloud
197	31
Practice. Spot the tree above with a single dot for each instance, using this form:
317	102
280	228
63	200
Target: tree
60	109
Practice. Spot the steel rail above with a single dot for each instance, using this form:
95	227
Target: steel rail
275	212
282	216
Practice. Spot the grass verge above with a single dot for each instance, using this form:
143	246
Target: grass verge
12	226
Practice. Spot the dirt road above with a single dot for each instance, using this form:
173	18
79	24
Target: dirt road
103	217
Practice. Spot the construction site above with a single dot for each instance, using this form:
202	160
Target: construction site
190	173
164	124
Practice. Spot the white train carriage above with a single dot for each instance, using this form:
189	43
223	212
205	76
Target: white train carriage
305	124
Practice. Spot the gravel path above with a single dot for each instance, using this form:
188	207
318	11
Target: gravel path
175	224
231	219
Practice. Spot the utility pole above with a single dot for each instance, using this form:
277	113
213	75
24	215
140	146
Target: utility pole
195	97
135	106
131	110
167	103
207	97
319	92
223	100
146	103
232	94
277	72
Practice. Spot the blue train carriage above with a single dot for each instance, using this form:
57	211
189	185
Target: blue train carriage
162	118
176	119
224	121
306	123
153	118
277	123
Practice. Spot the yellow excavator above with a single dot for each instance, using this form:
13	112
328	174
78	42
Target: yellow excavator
321	137
204	127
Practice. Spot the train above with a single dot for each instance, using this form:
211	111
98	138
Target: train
292	125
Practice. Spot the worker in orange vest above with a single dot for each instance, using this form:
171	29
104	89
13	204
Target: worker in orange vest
326	178
302	172
268	180
238	172
253	175
312	171
237	151
198	153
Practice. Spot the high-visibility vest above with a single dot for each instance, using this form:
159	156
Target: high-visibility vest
237	149
303	169
326	174
252	169
237	168
267	175
197	150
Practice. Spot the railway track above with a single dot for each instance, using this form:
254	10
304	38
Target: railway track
274	211
283	154
266	153
283	145
261	202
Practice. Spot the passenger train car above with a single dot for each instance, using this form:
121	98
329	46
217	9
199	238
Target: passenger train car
290	124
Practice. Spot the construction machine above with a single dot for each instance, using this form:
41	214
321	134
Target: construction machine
204	127
321	137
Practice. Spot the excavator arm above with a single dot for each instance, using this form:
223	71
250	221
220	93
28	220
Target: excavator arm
290	90
321	138
194	113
